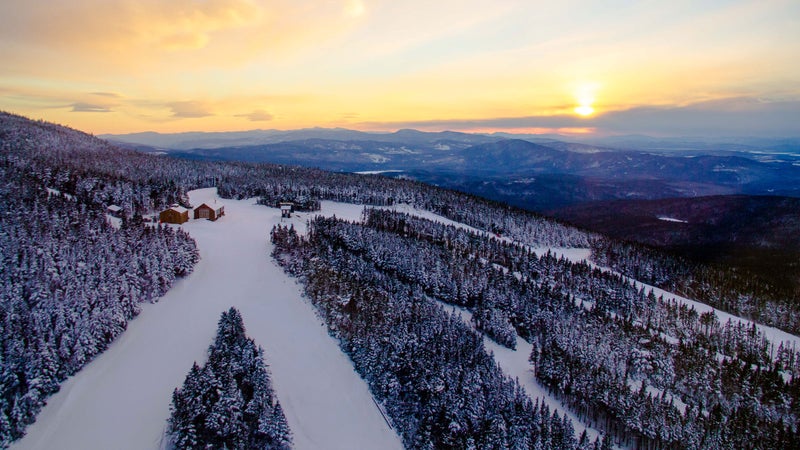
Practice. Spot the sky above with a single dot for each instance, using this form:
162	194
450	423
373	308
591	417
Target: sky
661	68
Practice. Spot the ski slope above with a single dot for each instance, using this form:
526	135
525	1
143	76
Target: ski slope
121	399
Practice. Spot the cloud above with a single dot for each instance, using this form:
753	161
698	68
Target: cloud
257	116
86	37
106	94
726	117
93	23
89	107
740	116
189	109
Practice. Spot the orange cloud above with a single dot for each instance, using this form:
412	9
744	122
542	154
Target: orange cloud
257	116
190	109
81	39
88	107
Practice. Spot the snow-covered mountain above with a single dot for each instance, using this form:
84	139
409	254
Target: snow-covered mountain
391	313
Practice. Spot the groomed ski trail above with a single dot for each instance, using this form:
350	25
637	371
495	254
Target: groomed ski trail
121	399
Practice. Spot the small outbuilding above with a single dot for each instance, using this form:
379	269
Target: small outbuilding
211	211
174	214
114	210
286	209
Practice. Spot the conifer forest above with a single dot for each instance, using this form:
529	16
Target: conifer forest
408	300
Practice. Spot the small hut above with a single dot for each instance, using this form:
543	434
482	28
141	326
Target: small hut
174	214
114	210
211	211
286	209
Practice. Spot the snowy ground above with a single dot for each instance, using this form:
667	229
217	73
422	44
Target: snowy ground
121	399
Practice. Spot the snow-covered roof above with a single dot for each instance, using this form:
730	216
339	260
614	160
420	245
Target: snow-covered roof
179	209
213	204
114	208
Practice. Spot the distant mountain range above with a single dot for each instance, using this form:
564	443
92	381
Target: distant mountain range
692	145
537	172
209	140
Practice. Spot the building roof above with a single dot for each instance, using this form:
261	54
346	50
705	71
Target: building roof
114	208
178	209
215	205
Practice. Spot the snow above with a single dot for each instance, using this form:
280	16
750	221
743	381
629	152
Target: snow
121	399
115	222
212	204
353	213
179	209
51	191
636	385
515	364
671	219
575	255
772	334
375	158
378	172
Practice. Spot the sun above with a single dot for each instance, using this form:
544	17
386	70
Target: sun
584	110
585	94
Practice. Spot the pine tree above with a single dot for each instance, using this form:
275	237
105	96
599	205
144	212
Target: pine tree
279	432
228	402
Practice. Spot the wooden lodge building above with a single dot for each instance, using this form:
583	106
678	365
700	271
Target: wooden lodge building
210	211
174	214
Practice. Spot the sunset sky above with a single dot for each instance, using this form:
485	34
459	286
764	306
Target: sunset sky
665	68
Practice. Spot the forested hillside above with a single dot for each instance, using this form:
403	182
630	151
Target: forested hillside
651	373
70	281
648	372
734	289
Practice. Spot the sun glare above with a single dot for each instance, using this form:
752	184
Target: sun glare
585	94
584	110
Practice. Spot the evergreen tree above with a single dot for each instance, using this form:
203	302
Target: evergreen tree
228	403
